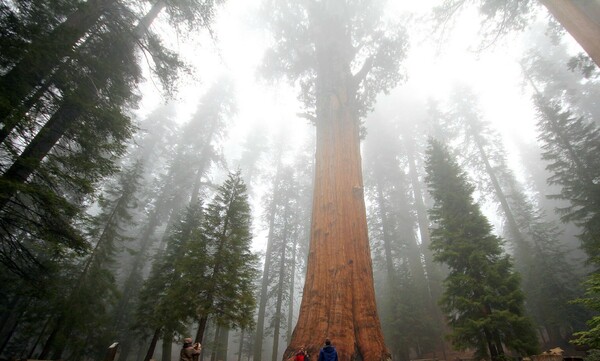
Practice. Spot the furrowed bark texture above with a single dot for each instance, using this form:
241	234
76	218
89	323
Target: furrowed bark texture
338	300
339	297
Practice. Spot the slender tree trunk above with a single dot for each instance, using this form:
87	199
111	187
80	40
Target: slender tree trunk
213	354
167	346
152	346
201	328
279	302
50	340
434	274
581	19
11	315
37	149
242	334
288	335
387	246
223	349
41	333
131	286
10	332
262	305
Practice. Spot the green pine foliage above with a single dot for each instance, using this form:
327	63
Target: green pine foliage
591	336
166	301
406	309
534	240
227	293
482	297
206	270
571	145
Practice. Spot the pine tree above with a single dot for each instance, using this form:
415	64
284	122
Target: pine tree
532	238
226	291
482	298
591	336
400	281
167	302
570	144
94	290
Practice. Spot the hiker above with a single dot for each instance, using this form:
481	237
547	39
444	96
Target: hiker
301	355
189	352
328	352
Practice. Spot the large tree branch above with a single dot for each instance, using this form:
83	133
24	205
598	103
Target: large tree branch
364	71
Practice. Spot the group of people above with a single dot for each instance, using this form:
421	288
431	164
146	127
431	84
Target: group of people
327	353
191	351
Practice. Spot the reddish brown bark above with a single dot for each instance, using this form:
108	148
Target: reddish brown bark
339	298
581	18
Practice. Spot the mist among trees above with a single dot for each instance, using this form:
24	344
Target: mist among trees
411	180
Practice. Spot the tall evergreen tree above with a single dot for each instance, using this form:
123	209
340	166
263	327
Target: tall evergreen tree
197	149
570	145
400	278
94	290
226	294
533	238
482	299
167	297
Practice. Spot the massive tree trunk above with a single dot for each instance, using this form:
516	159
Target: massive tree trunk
339	298
581	18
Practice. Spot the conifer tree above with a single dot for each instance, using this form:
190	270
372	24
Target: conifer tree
94	290
226	294
167	298
400	280
482	297
532	238
571	144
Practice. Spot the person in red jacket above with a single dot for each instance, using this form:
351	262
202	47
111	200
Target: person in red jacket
301	355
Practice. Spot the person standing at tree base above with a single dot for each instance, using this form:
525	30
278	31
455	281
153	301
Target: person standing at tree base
328	352
188	351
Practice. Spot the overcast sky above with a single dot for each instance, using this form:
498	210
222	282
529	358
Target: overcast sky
432	67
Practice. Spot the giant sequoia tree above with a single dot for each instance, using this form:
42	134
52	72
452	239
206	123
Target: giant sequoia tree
342	57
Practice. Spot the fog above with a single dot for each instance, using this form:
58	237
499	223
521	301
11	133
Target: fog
414	180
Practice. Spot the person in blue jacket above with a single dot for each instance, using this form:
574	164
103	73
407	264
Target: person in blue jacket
328	352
